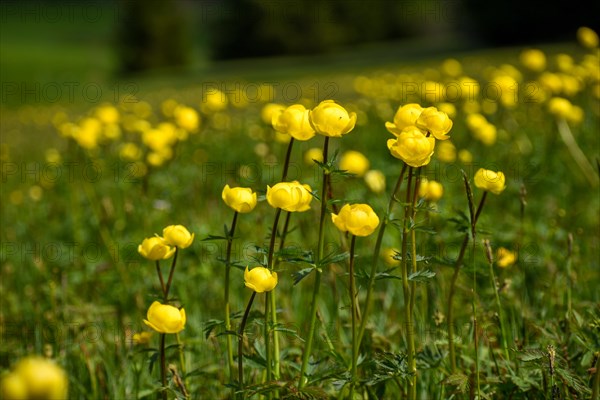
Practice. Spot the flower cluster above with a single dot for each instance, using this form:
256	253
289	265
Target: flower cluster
163	247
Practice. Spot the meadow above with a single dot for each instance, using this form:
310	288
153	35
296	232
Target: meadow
451	283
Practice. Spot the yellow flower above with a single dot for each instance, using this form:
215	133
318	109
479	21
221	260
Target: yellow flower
406	116
313	154
388	257
375	180
431	190
358	219
560	107
187	118
178	235
354	162
506	258
107	113
435	122
270	110
242	200
465	156
290	196
448	108
331	119
446	151
533	59
35	378
412	147
490	181
130	151
452	67
155	248
260	279
213	100
141	338
294	121
587	37
164	318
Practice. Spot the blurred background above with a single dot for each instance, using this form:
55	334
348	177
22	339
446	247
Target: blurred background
102	41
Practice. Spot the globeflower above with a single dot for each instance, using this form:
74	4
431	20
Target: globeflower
294	122
155	248
269	111
506	258
354	162
406	116
242	200
260	279
435	122
533	59
560	107
178	235
164	318
412	147
587	37
331	119
431	190
375	180
313	154
290	196
490	181
358	219
35	378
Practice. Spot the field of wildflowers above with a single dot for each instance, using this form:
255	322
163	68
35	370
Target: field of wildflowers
424	231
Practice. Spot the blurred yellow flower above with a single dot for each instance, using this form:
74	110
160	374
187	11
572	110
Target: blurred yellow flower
505	257
187	118
435	122
260	279
388	255
290	196
178	235
358	219
107	114
141	338
165	318
35	378
155	248
451	67
560	107
412	147
294	122
465	156
490	181
375	180
431	190
242	200
354	162
213	100
533	59
331	119
405	116
445	151
130	152
269	110
448	108
313	154
587	37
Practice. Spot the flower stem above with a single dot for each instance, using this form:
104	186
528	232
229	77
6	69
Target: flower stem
160	277
163	366
580	159
241	344
373	273
182	361
229	344
315	295
353	299
500	313
170	280
272	299
475	335
267	339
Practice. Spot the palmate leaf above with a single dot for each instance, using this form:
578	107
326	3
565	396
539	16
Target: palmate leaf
421	276
333	258
303	273
460	381
531	355
387	366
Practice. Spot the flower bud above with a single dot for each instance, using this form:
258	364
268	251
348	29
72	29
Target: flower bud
242	200
290	196
155	248
260	279
358	219
412	147
490	181
354	162
294	122
164	318
178	235
331	119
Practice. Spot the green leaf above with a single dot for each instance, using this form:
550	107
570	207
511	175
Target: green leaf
214	237
421	276
333	258
461	382
303	273
531	355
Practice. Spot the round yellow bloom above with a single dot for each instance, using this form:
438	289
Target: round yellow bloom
187	118
412	147
506	258
431	190
587	37
375	180
164	318
448	108
446	151
178	235
155	248
35	378
451	67
560	107
130	151
465	156
358	219
242	200
290	196
260	279
406	116
354	162
312	155
107	113
270	110
435	122
331	119
294	121
141	338
213	100
533	59
490	181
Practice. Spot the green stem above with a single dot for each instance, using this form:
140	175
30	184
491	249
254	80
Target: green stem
374	261
170	280
407	293
457	265
500	313
163	366
160	277
596	384
286	163
229	343
315	295
272	299
475	336
241	344
267	340
182	362
353	299
580	159
413	288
